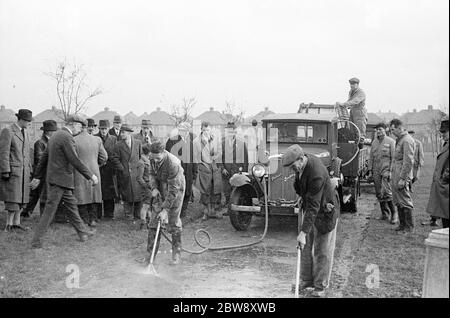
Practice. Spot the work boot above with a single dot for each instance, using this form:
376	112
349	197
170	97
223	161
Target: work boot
384	211
401	217
127	207
394	215
85	235
151	241
176	248
409	222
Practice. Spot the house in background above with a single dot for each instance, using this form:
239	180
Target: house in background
161	121
387	117
426	124
216	119
131	119
7	116
106	113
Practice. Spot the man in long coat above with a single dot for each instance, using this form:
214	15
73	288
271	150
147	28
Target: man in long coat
15	168
127	154
439	194
418	157
234	157
145	136
207	154
381	164
181	145
59	161
40	193
91	152
107	171
402	175
115	130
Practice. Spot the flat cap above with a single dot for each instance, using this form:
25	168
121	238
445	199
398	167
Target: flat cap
126	127
354	80
293	153
76	119
157	147
91	122
444	124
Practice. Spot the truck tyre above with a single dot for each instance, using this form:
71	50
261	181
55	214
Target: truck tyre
240	220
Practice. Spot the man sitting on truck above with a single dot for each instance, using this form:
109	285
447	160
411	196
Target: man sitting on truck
356	102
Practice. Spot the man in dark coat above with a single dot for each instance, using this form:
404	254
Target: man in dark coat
439	193
40	193
317	237
145	136
234	157
15	168
115	130
181	146
59	161
107	171
126	157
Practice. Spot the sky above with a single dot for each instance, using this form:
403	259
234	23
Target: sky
253	53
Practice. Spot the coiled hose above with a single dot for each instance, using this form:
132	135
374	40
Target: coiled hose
208	247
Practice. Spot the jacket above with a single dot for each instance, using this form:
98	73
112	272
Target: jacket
439	193
107	170
59	160
206	154
382	155
356	99
234	156
316	190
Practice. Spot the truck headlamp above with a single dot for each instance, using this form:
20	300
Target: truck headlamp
258	171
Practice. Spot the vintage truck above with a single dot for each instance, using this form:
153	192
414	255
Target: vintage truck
269	185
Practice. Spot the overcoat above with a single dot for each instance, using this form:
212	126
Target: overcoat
209	174
438	202
107	170
15	158
92	153
126	162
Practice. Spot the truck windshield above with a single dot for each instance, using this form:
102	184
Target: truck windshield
311	133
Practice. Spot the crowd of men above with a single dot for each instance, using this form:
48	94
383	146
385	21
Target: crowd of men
79	175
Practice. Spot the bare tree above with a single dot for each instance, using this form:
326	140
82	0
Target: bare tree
433	130
233	112
71	87
182	112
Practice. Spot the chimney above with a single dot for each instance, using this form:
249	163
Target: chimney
54	108
415	110
106	109
266	109
158	109
211	109
2	107
430	107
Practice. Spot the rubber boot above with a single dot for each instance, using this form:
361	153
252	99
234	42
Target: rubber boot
384	210
409	223
151	240
394	214
401	217
176	248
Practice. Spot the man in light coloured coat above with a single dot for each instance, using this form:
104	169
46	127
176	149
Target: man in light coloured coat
418	157
15	168
402	175
381	164
91	152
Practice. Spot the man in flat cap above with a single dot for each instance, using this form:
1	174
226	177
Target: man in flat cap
126	157
40	193
145	136
167	182
181	145
438	202
108	178
115	130
59	161
15	168
356	102
234	157
320	206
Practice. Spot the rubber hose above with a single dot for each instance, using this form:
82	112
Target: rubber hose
208	247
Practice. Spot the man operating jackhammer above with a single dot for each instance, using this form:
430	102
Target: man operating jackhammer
317	238
167	182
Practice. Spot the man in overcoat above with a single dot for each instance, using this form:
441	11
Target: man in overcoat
320	203
438	202
59	161
15	168
402	175
107	171
115	130
145	136
181	145
126	157
91	152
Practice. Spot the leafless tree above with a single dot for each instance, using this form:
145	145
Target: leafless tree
71	87
233	112
182	112
433	130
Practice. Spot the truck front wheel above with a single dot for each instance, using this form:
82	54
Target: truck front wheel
240	220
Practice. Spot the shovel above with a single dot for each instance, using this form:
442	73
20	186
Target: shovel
297	276
150	268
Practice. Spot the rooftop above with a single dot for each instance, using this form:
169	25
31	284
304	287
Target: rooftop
327	117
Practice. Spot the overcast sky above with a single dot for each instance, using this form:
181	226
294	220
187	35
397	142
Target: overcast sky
256	53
